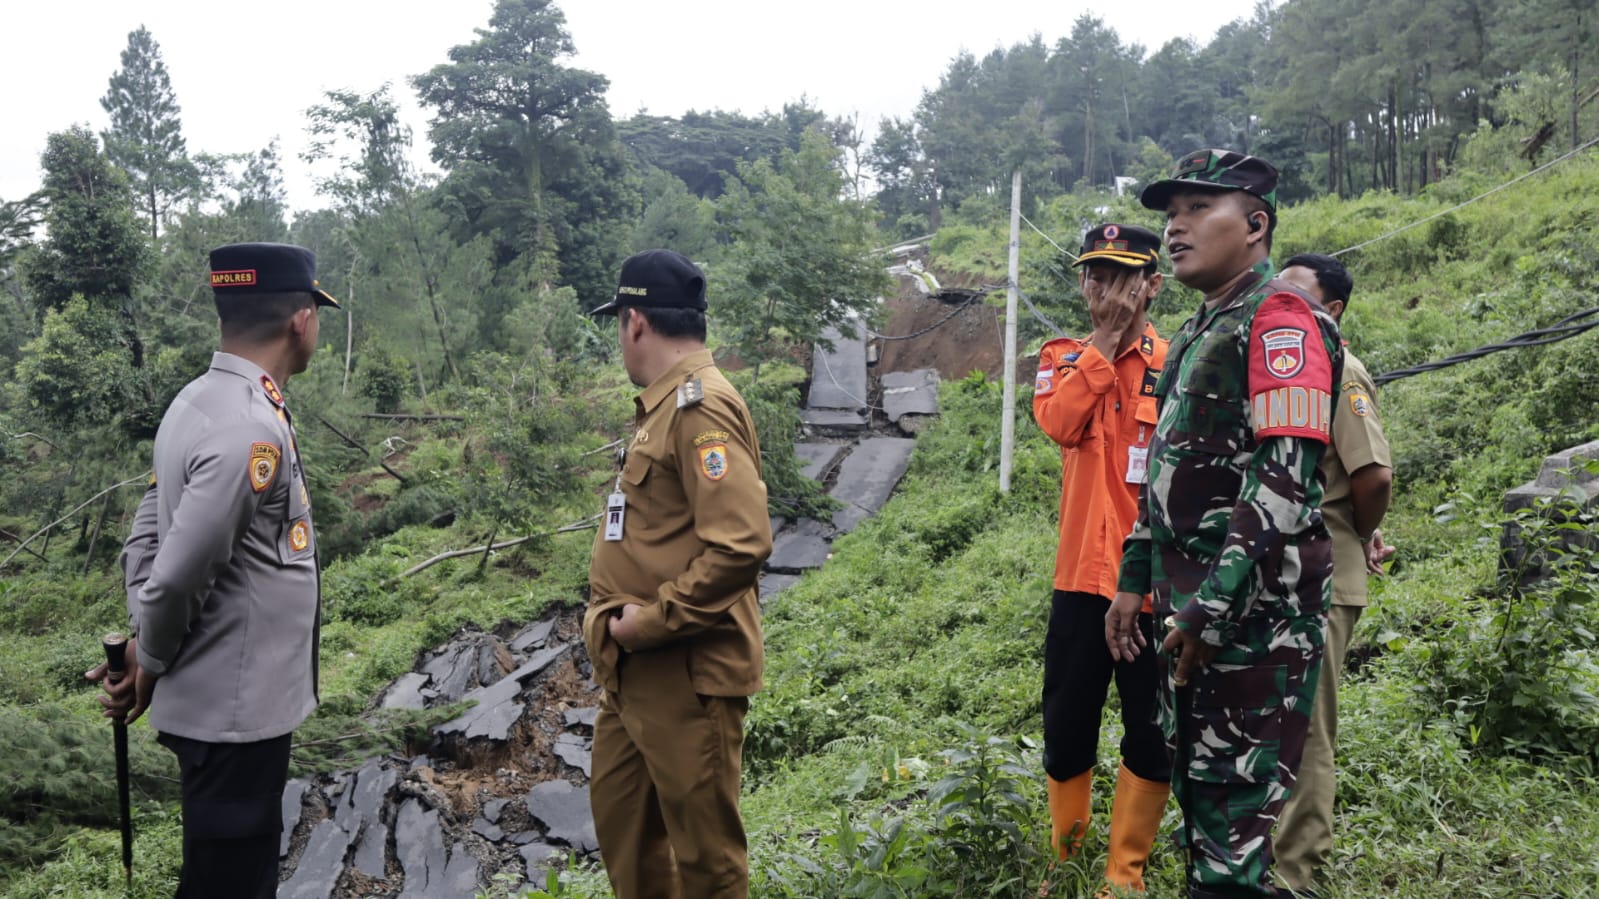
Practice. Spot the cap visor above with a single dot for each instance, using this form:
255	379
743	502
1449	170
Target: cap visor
1158	195
1131	260
608	309
323	298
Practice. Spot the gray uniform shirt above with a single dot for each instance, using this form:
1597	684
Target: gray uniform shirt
221	565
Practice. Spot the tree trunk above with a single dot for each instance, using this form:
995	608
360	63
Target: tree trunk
1393	135
1332	157
1576	64
94	538
430	284
349	322
421	385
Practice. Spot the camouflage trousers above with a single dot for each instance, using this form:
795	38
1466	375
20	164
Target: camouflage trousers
1237	733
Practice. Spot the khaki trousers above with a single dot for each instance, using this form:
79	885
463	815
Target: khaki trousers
1304	838
665	784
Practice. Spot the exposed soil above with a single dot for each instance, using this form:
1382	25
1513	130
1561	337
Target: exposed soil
465	775
970	340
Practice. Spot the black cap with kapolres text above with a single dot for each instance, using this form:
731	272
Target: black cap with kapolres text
242	268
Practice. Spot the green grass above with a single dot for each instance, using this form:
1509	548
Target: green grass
902	685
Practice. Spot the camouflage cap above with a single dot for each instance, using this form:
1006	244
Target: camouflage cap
1216	170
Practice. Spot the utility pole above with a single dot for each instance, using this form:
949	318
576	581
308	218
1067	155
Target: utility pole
1007	425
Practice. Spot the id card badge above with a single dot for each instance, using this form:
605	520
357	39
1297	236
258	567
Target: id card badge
1137	464
615	510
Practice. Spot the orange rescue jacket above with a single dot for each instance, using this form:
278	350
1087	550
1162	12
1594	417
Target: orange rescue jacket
1096	411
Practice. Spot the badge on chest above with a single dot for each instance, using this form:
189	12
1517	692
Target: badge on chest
615	512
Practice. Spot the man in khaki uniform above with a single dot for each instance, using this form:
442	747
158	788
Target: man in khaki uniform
1359	474
673	623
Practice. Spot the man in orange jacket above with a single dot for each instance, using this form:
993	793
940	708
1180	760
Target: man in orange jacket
1096	398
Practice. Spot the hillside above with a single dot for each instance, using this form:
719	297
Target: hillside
894	751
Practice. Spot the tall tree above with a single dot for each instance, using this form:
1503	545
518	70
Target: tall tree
529	145
906	192
801	257
1561	38
390	227
703	149
95	246
18	220
146	134
674	217
1093	78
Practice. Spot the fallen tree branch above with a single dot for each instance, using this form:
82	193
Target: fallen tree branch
75	510
584	525
15	539
402	416
606	448
354	444
39	437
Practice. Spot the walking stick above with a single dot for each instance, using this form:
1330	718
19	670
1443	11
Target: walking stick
116	646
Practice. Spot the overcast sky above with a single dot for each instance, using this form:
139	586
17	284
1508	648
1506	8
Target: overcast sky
244	73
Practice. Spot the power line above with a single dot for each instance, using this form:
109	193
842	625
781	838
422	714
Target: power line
1050	239
935	325
1459	206
1566	328
1039	315
841	388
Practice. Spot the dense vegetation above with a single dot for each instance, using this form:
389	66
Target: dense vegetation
894	752
1345	95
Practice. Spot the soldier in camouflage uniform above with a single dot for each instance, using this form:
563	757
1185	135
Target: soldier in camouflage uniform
1230	536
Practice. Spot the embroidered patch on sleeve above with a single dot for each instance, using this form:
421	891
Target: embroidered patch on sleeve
713	460
714	435
1360	404
299	536
1045	380
1290	372
263	465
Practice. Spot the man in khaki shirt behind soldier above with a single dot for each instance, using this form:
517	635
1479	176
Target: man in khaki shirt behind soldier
1359	477
673	623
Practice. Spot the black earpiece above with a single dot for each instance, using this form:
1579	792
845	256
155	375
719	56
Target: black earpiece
1254	224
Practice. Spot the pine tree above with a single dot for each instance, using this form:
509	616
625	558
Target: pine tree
146	135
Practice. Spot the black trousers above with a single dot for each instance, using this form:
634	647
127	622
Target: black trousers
1077	674
232	816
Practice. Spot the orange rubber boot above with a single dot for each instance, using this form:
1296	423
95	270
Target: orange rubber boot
1134	820
1068	813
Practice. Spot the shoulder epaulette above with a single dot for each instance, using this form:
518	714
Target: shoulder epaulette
690	393
272	392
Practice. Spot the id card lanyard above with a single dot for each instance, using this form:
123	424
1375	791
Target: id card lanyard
616	505
1138	458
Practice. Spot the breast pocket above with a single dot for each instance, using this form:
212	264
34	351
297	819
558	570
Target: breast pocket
1202	423
637	483
1207	412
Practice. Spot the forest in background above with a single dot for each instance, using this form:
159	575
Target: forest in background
465	294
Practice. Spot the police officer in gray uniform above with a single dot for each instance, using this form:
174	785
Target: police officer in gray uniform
222	576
